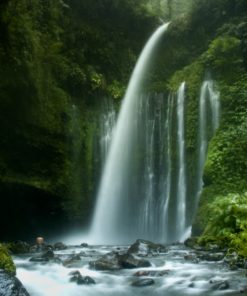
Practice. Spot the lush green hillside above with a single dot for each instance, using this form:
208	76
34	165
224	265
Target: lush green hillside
221	216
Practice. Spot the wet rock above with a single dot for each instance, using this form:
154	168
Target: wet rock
86	280
220	285
144	248
234	261
243	289
11	286
143	282
109	261
154	273
19	247
81	280
191	242
191	285
72	261
211	256
130	261
59	246
44	257
191	257
115	261
40	248
84	245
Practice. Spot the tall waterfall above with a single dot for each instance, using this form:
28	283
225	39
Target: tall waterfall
114	211
146	188
181	184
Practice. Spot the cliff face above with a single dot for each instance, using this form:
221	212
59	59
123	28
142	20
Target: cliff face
58	60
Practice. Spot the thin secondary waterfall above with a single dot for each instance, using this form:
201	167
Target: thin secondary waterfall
113	214
107	124
181	184
167	188
208	104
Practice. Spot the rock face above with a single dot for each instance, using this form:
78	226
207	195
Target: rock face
116	261
144	248
11	286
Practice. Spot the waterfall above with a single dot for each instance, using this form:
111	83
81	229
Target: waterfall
181	184
146	188
164	221
113	217
208	103
107	124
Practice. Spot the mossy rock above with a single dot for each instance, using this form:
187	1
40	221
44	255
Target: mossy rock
6	262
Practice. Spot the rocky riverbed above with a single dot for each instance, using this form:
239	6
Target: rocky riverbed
141	269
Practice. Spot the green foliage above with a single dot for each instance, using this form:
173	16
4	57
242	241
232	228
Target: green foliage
55	55
224	57
6	261
226	163
228	222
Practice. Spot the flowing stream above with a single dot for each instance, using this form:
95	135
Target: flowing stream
174	273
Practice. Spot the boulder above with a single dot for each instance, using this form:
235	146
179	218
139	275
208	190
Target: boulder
72	261
109	261
143	282
129	261
84	245
192	242
116	261
59	246
19	247
220	285
40	248
81	280
191	257
144	248
211	256
43	257
155	273
10	285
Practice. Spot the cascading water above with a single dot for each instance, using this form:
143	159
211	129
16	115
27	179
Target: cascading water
107	124
209	101
164	217
144	189
181	184
114	214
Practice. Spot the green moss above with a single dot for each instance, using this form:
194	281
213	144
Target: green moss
6	261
